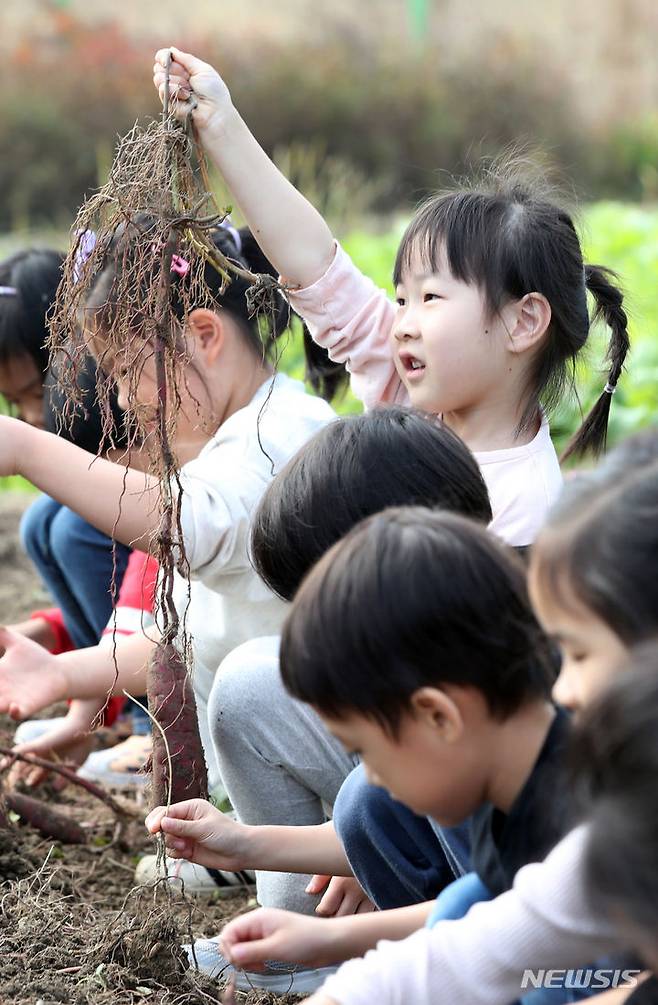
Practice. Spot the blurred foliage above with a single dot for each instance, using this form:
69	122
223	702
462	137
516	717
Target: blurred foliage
620	236
371	126
363	131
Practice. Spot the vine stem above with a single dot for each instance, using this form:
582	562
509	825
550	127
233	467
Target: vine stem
68	773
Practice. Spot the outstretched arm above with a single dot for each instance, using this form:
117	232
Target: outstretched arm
32	679
119	501
251	939
200	833
288	228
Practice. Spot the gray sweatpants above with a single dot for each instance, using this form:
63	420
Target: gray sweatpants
277	761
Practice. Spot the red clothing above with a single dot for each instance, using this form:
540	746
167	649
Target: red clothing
136	598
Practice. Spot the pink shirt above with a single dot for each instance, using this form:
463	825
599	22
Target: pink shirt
352	318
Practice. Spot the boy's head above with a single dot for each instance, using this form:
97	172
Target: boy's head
414	640
354	467
615	757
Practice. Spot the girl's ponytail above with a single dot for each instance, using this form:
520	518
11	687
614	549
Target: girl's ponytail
608	298
325	377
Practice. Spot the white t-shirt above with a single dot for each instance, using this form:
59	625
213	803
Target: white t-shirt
228	603
523	483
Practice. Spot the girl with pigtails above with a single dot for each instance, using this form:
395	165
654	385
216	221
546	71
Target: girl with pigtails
490	309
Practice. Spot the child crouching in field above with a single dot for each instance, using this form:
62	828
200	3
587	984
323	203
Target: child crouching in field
446	699
490	311
592	580
615	755
237	422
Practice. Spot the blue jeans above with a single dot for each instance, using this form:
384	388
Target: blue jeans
75	563
398	858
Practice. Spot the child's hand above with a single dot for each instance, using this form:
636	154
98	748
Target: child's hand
190	77
342	896
197	831
69	741
272	934
30	677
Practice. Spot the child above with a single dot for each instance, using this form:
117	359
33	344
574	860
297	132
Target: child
616	759
75	561
606	602
237	424
455	722
491	312
82	568
285	768
68	738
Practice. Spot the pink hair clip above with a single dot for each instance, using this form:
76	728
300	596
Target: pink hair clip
179	265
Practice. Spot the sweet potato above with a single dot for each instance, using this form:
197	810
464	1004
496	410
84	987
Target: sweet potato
44	819
172	704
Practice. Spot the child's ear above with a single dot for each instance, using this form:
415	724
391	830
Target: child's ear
531	316
435	709
207	329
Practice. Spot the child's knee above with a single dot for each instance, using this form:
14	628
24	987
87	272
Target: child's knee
67	533
232	710
35	526
353	804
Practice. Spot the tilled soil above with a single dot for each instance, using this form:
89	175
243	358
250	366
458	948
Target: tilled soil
73	927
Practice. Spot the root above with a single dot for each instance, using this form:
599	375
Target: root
122	812
47	821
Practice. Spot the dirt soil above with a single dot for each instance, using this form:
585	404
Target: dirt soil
73	927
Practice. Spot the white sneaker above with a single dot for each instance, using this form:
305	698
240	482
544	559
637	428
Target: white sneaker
279	978
32	729
196	879
119	766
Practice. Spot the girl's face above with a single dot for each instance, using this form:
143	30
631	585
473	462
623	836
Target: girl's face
21	384
449	354
591	652
143	394
137	386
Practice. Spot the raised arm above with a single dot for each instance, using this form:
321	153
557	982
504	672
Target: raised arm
119	501
288	228
344	311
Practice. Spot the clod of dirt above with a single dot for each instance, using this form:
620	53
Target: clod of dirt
145	942
14	863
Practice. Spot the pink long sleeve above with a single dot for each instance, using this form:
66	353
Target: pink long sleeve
352	318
